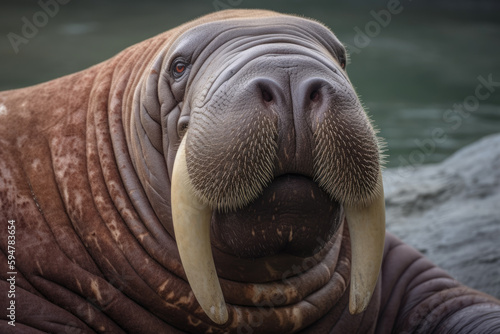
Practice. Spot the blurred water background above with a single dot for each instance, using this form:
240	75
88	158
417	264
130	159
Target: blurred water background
417	65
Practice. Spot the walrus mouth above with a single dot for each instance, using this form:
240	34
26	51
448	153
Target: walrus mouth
191	220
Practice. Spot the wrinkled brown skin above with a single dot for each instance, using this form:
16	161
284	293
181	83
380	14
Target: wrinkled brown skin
94	255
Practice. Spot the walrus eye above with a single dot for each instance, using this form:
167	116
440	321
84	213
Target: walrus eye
178	69
342	63
182	126
342	60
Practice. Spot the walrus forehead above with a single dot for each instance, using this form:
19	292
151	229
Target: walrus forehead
200	42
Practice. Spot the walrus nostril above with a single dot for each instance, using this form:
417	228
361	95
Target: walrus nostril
266	89
315	95
312	92
266	95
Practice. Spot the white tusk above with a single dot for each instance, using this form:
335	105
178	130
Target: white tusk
191	219
367	230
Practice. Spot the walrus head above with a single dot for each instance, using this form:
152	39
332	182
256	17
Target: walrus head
267	149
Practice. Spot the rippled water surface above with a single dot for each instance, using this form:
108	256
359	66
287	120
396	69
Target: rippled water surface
416	69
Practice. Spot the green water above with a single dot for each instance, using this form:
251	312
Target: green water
411	69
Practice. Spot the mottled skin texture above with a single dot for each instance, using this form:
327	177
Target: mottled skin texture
85	167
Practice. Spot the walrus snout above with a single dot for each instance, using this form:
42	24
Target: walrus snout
302	102
280	114
299	102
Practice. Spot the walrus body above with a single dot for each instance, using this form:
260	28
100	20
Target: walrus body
280	156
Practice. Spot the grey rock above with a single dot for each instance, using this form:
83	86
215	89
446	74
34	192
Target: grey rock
451	212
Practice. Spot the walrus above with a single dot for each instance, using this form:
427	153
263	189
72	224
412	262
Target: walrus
221	177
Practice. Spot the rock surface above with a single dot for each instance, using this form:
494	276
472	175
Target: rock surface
451	212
